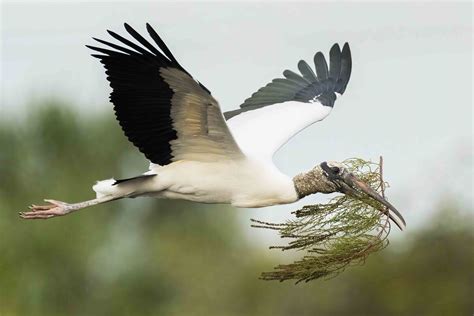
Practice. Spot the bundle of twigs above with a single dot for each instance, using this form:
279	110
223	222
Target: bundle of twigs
334	235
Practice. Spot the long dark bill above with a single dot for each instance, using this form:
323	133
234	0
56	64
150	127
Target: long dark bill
356	185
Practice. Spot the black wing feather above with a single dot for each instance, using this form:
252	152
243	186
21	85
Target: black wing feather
141	97
346	69
306	71
308	86
293	76
334	64
161	44
141	39
321	67
129	43
115	46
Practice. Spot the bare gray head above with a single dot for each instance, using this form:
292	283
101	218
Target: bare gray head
333	176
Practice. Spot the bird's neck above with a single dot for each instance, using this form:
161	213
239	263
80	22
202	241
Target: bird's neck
313	181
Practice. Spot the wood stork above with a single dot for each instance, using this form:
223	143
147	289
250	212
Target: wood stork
200	154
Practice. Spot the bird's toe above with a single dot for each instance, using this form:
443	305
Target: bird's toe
35	215
35	208
55	208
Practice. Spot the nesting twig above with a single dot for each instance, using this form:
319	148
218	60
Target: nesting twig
334	235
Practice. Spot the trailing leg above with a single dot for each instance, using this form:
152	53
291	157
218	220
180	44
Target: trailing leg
106	190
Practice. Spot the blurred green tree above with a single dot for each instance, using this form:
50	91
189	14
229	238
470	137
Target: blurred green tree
152	257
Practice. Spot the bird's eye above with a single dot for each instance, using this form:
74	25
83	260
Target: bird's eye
336	170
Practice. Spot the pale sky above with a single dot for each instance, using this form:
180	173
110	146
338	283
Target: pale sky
409	98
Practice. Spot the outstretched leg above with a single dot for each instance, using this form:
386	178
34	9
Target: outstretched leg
58	208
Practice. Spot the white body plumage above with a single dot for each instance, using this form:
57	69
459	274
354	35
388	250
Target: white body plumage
242	183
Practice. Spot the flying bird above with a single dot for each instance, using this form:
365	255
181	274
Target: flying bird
200	154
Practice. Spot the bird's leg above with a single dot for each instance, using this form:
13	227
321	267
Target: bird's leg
58	208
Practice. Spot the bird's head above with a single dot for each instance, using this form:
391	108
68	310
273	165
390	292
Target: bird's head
332	176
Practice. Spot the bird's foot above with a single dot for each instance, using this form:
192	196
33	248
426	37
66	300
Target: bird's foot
53	209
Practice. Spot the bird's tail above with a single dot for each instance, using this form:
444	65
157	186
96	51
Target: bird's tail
105	188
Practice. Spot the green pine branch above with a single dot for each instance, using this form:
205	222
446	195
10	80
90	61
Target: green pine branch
335	235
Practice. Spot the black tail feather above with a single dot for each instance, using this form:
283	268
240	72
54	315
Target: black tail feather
134	178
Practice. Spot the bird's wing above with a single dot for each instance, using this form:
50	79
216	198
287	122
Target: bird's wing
162	110
285	106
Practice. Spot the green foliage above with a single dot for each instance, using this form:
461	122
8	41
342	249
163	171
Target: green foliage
152	257
344	231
